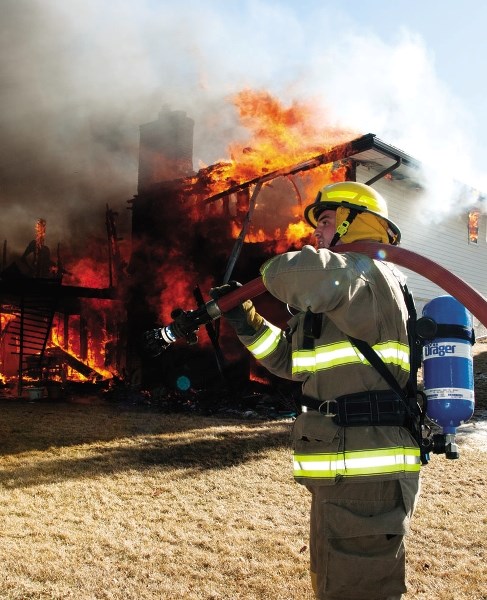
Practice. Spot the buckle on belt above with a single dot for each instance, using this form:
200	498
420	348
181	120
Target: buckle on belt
328	411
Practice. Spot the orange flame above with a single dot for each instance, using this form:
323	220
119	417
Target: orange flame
5	319
40	231
69	342
278	137
473	226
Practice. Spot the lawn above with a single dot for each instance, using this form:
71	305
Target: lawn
100	501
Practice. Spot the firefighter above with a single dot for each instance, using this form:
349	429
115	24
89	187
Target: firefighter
352	447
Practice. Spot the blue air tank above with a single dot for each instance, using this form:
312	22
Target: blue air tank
447	364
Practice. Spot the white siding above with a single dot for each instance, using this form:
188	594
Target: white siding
445	242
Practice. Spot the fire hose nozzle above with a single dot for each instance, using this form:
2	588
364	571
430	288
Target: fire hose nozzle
187	323
157	340
184	325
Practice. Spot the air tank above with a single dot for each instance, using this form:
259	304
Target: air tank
448	367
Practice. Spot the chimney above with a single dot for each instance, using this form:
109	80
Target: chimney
166	149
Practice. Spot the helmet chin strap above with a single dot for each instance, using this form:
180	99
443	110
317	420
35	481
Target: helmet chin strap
343	227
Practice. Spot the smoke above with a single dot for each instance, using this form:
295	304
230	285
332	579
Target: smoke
79	77
392	90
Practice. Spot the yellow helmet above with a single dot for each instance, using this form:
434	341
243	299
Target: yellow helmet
355	196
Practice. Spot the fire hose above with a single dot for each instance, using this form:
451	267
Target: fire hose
159	339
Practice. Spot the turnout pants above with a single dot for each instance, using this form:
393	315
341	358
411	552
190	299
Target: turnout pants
357	538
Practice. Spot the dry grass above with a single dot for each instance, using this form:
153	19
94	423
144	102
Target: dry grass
98	503
102	503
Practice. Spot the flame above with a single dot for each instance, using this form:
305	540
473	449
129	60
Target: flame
178	291
294	235
5	319
473	226
258	378
278	137
97	315
88	272
40	233
297	231
69	342
63	344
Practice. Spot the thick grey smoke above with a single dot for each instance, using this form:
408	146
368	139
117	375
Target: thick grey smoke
77	79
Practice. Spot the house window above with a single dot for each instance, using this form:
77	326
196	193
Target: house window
473	226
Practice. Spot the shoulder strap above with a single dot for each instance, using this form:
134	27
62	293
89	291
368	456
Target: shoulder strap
415	353
414	411
376	361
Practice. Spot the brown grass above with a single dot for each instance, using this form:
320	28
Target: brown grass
102	503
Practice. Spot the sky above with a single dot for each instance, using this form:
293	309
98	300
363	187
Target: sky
78	78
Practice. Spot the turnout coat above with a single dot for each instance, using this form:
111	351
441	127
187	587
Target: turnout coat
358	297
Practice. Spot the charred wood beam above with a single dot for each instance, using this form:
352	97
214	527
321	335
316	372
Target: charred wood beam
240	240
335	154
74	363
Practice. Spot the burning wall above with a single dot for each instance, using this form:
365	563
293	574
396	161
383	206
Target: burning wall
60	325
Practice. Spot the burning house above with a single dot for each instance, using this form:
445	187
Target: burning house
203	229
222	222
192	230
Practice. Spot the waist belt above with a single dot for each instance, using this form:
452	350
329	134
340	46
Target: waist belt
362	408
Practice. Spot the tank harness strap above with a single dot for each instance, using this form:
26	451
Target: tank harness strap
454	331
415	344
375	360
417	408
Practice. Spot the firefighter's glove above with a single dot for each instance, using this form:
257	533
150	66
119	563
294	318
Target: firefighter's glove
244	319
183	324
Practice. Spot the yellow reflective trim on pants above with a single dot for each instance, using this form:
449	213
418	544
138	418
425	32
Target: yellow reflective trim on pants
359	463
344	353
266	343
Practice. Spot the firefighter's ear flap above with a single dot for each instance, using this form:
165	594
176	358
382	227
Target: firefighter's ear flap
426	328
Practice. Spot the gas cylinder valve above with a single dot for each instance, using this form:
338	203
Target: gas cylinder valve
441	443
